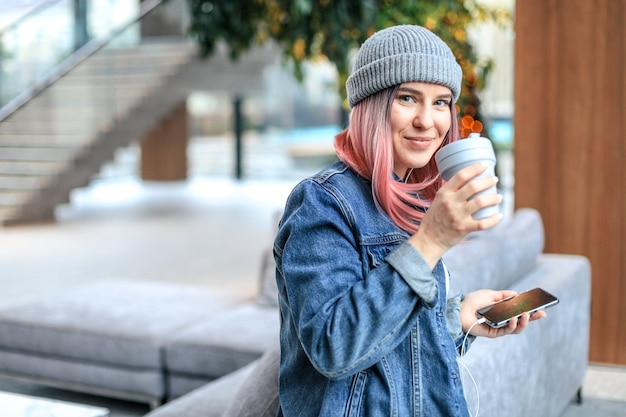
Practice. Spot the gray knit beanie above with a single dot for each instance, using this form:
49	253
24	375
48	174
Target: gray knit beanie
399	54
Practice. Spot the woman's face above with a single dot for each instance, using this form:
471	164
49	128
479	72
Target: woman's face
420	120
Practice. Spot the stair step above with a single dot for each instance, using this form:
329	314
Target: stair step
30	167
127	68
36	154
44	140
53	127
51	119
120	81
66	117
129	64
23	182
162	51
85	125
70	110
96	93
126	72
6	213
13	198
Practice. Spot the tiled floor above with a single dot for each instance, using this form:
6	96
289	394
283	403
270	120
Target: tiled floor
209	230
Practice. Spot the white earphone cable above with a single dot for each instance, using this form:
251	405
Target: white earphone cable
477	322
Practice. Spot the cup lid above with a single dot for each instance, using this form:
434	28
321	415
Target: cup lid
478	148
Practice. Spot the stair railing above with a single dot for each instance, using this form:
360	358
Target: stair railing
41	83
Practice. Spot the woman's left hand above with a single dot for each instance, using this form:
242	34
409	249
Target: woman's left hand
482	298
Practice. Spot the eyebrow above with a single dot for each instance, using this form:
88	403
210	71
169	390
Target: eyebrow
421	93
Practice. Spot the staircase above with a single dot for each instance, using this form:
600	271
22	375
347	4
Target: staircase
60	139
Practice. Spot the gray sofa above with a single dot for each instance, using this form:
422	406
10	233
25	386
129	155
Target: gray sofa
106	338
536	373
216	354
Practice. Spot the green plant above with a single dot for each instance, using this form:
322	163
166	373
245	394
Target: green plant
324	29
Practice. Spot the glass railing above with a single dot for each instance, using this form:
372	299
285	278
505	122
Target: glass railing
39	47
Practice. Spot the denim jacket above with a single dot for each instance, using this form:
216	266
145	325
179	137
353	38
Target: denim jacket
366	327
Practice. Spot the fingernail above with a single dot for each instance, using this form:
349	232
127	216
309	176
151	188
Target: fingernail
501	197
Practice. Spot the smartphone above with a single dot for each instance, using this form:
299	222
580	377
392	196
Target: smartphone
498	314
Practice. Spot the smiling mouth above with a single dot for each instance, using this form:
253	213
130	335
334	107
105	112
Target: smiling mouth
420	141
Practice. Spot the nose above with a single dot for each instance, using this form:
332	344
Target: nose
423	117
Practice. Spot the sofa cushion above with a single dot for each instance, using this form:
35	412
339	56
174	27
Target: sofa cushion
495	258
222	343
113	322
268	291
137	384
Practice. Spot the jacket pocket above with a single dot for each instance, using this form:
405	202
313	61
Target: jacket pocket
354	405
378	249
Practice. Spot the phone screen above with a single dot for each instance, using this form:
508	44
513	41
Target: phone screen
499	314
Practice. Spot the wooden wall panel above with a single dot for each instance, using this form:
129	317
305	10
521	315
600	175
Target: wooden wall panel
622	184
570	112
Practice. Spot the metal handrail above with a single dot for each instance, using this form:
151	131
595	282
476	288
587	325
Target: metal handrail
72	61
40	8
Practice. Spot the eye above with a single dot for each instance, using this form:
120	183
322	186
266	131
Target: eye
405	98
442	103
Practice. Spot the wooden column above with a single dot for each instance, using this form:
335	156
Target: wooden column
570	152
164	148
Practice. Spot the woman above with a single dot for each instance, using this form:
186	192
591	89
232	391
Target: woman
367	328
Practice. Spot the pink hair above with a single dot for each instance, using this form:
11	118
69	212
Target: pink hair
366	146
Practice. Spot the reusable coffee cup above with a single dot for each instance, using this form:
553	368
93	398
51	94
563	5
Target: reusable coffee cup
460	154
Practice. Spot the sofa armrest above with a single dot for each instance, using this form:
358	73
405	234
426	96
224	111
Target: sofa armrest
251	391
209	400
539	371
258	394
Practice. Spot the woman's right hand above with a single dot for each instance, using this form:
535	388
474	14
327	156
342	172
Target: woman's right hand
449	218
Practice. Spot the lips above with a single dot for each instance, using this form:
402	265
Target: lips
420	143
